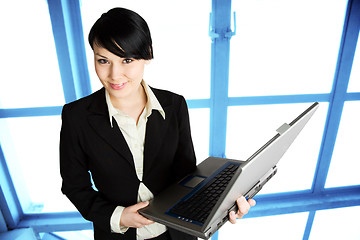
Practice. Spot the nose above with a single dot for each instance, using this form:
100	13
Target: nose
117	72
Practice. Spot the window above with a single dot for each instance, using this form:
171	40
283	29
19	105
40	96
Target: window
284	56
267	227
328	221
30	76
30	79
285	47
354	83
343	164
34	163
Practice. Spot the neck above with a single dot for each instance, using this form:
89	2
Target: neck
132	105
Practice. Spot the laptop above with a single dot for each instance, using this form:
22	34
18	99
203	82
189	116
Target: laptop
200	203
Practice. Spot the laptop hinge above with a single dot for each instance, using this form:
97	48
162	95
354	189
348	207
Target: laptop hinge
283	128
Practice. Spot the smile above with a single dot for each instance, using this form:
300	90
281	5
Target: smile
118	86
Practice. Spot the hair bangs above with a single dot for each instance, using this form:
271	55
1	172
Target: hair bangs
123	33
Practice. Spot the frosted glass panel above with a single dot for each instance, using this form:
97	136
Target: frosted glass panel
250	127
29	74
34	156
345	159
285	47
182	47
341	223
280	227
354	82
200	126
76	235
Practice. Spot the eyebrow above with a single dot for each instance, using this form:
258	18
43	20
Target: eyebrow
100	55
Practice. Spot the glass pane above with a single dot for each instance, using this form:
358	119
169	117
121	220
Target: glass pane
250	127
285	47
35	156
354	82
266	228
200	126
340	223
181	44
30	74
345	159
76	235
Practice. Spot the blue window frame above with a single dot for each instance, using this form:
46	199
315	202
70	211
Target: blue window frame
68	35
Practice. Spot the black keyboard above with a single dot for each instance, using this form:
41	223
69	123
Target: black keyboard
198	207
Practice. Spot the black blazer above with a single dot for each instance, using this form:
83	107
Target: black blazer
88	144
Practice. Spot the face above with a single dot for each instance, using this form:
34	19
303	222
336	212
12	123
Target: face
120	76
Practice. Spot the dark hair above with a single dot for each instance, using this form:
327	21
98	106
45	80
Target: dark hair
123	33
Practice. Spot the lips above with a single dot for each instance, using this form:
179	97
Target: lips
118	86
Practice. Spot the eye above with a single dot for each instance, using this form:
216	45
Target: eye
103	61
127	60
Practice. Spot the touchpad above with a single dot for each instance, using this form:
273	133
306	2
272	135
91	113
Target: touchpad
193	181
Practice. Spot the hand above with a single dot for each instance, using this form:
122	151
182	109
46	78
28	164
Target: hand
131	218
244	207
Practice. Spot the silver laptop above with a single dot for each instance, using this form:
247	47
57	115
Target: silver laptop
200	203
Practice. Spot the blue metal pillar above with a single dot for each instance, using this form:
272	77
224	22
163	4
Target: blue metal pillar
67	28
220	33
9	203
338	96
339	92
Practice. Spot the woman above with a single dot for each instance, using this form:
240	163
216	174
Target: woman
134	140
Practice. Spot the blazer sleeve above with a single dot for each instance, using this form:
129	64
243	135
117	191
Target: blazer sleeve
76	184
185	160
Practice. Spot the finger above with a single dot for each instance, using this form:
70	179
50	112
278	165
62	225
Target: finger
252	202
244	207
143	220
140	218
232	217
134	219
131	218
139	205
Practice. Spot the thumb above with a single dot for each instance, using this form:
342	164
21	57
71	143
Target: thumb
141	205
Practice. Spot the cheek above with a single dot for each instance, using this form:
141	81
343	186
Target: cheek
100	73
136	73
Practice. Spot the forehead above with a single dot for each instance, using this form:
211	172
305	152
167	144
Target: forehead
103	52
111	47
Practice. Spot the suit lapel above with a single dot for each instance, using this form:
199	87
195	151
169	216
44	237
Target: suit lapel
99	121
155	130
